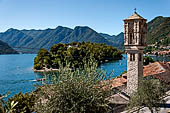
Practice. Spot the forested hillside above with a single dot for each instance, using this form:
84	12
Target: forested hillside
6	49
48	37
159	31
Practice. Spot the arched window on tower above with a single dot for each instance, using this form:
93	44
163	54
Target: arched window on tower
131	38
141	38
132	56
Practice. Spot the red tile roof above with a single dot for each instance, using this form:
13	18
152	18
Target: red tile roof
157	69
152	69
115	82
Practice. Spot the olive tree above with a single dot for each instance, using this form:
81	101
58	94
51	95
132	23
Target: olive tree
150	94
74	91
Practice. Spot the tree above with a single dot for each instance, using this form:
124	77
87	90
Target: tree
74	53
1	104
43	59
21	103
150	94
147	60
74	91
57	47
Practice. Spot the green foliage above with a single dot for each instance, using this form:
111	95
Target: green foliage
3	109
166	41
158	31
123	72
74	91
149	49
150	94
43	59
76	54
1	105
21	103
147	60
10	108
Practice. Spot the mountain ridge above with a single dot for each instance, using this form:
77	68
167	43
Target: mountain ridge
159	31
48	37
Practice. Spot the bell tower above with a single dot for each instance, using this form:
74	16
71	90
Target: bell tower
135	29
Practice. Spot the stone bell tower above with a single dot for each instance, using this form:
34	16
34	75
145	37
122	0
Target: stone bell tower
135	29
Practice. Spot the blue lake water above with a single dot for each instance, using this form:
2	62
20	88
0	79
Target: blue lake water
160	58
16	74
115	67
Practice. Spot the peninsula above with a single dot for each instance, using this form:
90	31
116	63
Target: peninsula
75	55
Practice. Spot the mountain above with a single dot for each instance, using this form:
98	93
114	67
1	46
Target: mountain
31	40
159	31
86	34
15	37
6	49
118	40
47	38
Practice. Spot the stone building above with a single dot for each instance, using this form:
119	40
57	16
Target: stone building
135	29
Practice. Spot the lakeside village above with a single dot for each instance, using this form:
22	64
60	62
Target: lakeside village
160	51
89	93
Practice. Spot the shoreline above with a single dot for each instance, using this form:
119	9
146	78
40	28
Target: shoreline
45	70
100	62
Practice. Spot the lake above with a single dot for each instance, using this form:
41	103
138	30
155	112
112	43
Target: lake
16	74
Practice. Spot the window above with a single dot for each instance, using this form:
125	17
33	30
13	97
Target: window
132	57
141	40
130	38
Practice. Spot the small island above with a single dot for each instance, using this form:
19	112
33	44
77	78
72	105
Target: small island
75	55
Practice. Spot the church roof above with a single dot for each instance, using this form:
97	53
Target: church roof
135	16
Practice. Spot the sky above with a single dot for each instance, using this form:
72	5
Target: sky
104	16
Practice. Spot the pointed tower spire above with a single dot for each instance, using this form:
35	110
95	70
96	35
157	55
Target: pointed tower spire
135	16
135	10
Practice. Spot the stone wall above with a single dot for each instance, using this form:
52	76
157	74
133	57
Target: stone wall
134	70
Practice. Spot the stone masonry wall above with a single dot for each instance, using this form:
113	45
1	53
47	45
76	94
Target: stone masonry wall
134	71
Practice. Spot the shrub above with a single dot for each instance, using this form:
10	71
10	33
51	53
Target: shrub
74	91
24	103
150	94
1	105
